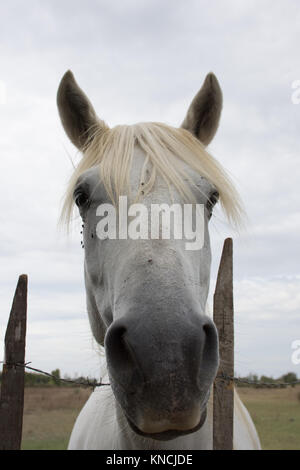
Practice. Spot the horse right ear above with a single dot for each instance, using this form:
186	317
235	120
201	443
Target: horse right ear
76	112
204	113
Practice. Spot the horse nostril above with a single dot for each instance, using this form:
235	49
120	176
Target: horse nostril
114	343
210	351
208	329
119	354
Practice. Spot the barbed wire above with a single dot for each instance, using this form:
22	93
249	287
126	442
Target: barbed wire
93	383
256	382
86	383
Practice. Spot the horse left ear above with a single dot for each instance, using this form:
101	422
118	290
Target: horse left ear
204	113
76	111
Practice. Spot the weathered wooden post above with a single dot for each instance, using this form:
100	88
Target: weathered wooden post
223	319
12	386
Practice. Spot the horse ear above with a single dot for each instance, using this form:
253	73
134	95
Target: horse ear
204	113
76	112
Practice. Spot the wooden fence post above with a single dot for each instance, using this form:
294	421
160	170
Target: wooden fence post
223	395
12	386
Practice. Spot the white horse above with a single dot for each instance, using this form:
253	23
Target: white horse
146	296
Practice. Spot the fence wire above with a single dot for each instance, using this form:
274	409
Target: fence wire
93	383
86	383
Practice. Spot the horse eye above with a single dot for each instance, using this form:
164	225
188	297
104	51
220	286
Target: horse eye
214	197
81	199
212	200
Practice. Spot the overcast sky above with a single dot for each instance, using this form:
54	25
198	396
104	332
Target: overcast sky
144	61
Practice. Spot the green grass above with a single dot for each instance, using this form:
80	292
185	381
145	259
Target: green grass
49	416
47	444
50	413
276	415
49	429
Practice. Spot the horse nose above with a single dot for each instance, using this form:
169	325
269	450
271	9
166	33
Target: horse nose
147	354
121	357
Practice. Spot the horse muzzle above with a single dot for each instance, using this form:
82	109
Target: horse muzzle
161	377
167	430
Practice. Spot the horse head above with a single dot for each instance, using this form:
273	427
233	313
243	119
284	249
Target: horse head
146	295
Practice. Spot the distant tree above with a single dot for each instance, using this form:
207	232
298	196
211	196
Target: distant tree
289	377
252	377
56	378
265	379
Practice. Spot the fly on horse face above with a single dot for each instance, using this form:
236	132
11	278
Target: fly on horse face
147	296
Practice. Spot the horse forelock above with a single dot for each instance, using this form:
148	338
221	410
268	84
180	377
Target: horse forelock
112	151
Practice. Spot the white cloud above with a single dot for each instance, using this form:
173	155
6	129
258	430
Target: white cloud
267	315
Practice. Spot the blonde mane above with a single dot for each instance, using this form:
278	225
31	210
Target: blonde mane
112	151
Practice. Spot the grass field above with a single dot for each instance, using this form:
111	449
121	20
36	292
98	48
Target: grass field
276	414
49	416
50	413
